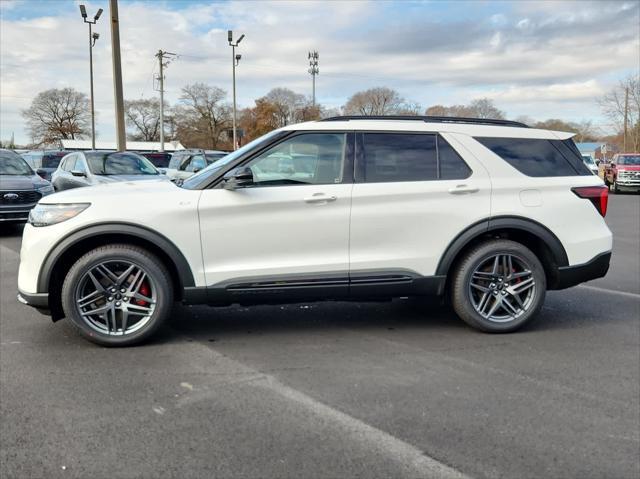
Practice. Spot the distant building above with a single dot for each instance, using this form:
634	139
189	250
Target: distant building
596	150
111	145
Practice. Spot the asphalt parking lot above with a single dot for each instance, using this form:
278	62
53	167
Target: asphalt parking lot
400	389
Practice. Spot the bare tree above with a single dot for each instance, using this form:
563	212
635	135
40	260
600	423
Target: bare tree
204	115
143	117
479	108
289	106
613	106
378	101
58	114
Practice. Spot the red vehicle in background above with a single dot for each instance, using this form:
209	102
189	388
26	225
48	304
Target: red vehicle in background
623	172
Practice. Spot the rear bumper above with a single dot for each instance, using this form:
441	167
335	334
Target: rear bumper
568	276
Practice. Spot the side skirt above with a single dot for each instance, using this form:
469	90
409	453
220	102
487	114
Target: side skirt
341	286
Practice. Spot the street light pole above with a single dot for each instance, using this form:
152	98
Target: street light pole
234	62
92	41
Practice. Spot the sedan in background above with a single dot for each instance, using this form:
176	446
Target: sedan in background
20	187
91	168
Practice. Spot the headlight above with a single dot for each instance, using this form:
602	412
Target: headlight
45	190
47	215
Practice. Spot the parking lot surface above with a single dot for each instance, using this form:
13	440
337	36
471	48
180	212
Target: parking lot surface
401	389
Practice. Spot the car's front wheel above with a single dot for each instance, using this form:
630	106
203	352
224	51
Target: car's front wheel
498	286
117	295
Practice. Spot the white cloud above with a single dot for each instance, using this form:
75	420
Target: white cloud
569	53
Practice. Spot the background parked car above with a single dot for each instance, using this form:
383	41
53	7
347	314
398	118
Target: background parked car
623	172
44	162
591	164
185	163
159	159
97	167
20	187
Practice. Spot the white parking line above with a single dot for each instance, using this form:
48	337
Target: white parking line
414	461
610	291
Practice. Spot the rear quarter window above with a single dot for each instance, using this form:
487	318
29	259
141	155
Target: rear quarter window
538	157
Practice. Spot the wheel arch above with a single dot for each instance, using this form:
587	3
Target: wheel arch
535	236
70	248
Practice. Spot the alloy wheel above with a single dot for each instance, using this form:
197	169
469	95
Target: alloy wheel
116	298
502	288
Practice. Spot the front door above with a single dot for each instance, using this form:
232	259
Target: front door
287	233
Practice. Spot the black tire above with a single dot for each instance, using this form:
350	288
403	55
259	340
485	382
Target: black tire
463	294
158	279
615	186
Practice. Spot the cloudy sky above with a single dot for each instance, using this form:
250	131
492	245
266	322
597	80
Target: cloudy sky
542	59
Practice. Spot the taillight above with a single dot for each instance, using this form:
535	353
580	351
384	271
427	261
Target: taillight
598	195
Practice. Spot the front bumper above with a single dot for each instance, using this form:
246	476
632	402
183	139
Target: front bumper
568	276
39	301
15	213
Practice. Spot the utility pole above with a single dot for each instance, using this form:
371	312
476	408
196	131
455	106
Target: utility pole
313	70
235	59
626	118
161	56
92	41
117	75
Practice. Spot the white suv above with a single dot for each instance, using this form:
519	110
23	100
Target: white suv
489	214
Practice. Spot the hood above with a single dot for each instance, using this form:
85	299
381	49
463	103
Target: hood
103	179
19	182
109	190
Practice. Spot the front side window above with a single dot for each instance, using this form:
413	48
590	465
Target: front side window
13	164
69	162
312	158
80	165
119	164
538	157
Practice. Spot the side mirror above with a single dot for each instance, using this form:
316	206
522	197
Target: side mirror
41	173
612	164
238	178
195	170
78	173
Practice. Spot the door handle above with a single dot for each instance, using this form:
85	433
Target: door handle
320	198
463	190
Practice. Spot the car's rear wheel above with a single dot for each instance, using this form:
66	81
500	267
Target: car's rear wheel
117	295
498	286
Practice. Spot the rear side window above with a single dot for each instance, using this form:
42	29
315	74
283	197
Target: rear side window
398	157
538	157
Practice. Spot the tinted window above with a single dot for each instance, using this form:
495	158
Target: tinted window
119	164
13	164
399	157
51	160
452	166
537	157
314	158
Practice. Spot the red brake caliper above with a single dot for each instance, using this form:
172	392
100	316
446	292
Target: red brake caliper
144	290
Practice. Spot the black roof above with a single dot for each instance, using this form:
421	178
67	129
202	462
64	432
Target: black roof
430	119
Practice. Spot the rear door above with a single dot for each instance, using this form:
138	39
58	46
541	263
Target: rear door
414	193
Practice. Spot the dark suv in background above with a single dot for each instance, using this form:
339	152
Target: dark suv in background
44	162
20	187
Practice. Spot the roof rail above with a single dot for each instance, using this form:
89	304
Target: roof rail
430	119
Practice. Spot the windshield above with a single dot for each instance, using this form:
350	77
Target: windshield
13	164
195	180
119	164
629	160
